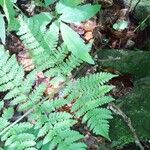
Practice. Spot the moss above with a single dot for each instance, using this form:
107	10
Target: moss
136	63
136	106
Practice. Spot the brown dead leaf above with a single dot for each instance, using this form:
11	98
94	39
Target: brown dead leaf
89	26
25	59
88	36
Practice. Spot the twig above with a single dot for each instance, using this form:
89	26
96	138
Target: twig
141	23
19	119
14	123
130	5
118	111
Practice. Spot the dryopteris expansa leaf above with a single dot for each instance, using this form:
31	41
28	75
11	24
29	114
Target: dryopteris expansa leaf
75	44
2	29
76	14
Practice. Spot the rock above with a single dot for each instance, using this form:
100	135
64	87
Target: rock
129	44
136	106
136	63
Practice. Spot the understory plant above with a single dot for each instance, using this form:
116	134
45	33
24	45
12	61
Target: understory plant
39	115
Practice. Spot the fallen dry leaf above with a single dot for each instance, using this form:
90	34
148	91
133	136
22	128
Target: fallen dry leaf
25	59
88	36
89	26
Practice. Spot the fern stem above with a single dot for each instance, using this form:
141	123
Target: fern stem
18	120
14	123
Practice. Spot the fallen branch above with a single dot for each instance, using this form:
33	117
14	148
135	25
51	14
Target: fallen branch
126	119
141	23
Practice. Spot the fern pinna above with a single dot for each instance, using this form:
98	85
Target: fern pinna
31	118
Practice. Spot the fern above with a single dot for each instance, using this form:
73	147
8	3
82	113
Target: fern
90	94
6	115
19	137
56	50
19	86
44	44
51	128
56	131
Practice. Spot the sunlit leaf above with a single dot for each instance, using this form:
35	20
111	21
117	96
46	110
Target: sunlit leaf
48	2
75	44
8	9
76	14
121	25
10	13
71	3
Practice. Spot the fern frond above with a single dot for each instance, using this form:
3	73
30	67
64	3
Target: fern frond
97	121
49	106
64	67
7	114
9	69
42	44
94	80
19	87
56	131
88	95
37	37
19	137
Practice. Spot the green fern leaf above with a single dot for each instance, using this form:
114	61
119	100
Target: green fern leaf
48	2
1	105
89	95
8	113
97	121
19	138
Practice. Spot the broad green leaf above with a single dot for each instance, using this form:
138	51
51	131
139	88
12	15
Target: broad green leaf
76	14
2	29
8	9
121	25
71	3
48	2
75	44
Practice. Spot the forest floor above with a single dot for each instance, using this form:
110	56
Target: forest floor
115	27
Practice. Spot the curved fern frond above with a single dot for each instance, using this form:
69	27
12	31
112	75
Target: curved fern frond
89	95
19	87
64	68
57	133
97	121
19	137
6	114
42	44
